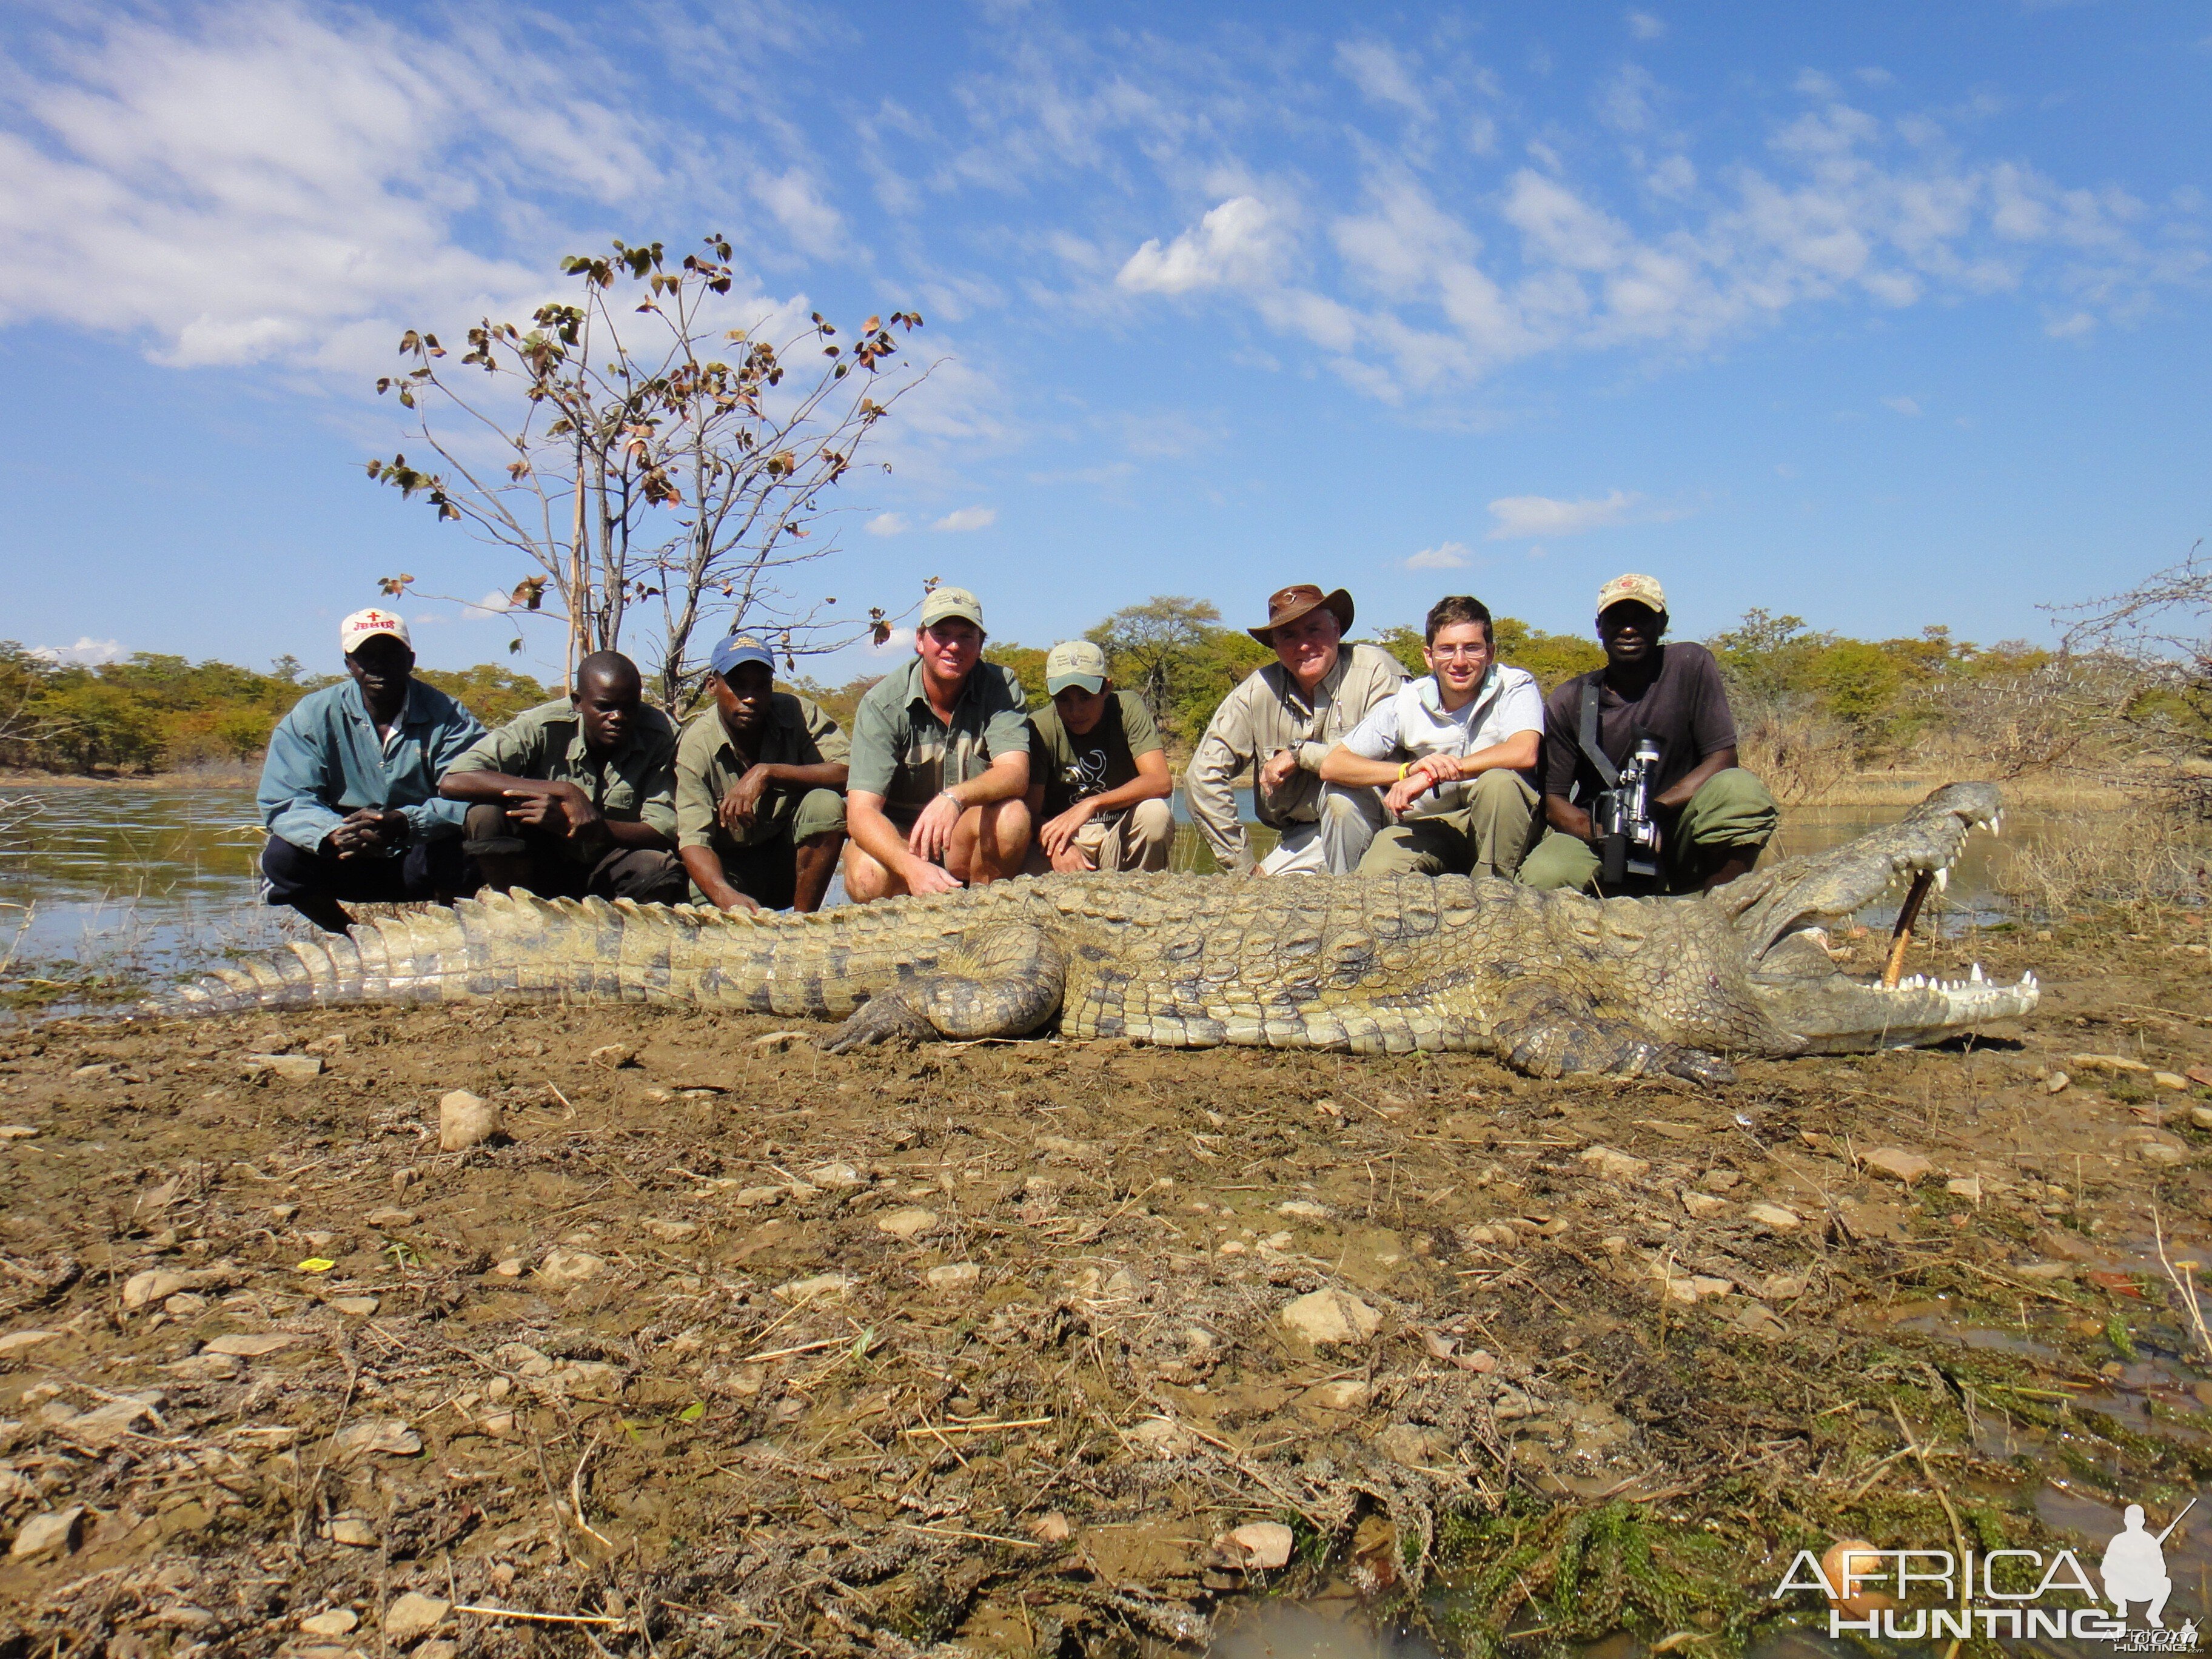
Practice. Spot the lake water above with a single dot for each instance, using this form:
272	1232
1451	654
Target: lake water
155	882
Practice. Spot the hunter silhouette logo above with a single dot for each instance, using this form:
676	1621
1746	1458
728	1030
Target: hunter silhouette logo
1869	1590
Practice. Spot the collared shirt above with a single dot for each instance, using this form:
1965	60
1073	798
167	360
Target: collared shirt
902	752
325	761
795	733
1414	722
635	784
1267	713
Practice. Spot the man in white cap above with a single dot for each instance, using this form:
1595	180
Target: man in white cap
1713	816
940	764
349	788
1099	781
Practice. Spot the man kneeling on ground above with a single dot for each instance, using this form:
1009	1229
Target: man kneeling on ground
576	798
349	790
759	817
1713	816
1098	773
1454	754
940	764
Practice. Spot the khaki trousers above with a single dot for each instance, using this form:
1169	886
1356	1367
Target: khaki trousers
1139	837
1488	836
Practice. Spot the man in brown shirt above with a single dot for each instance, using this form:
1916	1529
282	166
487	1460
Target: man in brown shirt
1713	816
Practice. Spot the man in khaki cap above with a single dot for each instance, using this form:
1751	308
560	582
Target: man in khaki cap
1282	722
1099	781
940	764
1713	816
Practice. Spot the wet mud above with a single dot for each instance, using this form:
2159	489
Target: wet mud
720	1345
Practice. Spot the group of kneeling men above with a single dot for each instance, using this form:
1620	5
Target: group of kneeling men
382	788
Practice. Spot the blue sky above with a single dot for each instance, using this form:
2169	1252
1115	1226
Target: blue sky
1886	315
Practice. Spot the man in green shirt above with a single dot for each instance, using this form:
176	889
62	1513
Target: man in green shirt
577	798
760	815
1099	783
940	764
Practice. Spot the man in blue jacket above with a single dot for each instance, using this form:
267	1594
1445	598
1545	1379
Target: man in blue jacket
349	789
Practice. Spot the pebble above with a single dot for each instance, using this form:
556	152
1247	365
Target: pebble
613	1055
2169	1080
907	1222
951	1275
1778	1217
668	1231
1051	1528
16	1341
2056	1083
562	1267
18	1131
1303	1209
251	1347
1967	1187
1327	1316
293	1068
750	1196
352	1531
465	1120
1719	1181
1346	1394
1613	1164
386	1435
1258	1547
1896	1163
2105	1063
335	1622
2199	1115
154	1285
1693	1288
509	1268
204	1368
1702	1205
834	1176
414	1615
390	1217
54	1533
359	1306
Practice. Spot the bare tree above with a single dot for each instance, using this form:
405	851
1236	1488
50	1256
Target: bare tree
2156	643
639	455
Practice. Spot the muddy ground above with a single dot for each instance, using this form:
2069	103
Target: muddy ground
724	1345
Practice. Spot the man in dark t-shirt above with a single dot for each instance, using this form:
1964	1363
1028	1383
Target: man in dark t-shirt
1713	816
1099	779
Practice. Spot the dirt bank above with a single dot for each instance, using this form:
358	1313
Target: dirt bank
727	1347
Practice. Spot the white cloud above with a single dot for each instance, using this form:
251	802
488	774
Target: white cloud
1519	516
1381	74
86	653
268	181
889	524
1239	243
1645	26
968	517
1903	405
1444	555
795	199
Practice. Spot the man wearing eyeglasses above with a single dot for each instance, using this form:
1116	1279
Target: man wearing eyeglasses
1455	754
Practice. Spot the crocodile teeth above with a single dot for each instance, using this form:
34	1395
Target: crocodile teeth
1977	974
1943	881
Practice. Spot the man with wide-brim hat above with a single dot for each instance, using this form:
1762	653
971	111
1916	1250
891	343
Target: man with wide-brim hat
1282	722
1713	816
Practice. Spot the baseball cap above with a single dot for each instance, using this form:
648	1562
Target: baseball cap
1074	662
943	602
365	625
734	648
1644	590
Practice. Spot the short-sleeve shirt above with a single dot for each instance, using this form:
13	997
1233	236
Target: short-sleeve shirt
1073	768
902	752
796	733
635	784
1685	710
1414	722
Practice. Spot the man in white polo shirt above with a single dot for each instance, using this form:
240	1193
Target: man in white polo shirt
1454	753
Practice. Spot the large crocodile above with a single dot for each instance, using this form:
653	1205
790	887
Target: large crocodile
1550	983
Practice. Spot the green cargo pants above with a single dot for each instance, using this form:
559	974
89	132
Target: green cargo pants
1731	813
1485	837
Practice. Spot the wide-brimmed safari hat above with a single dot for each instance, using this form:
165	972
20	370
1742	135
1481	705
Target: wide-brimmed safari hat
1287	604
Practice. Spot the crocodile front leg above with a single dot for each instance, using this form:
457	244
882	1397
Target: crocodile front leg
1547	1031
1001	982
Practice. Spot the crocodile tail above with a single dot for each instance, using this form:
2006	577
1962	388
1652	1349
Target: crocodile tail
509	945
